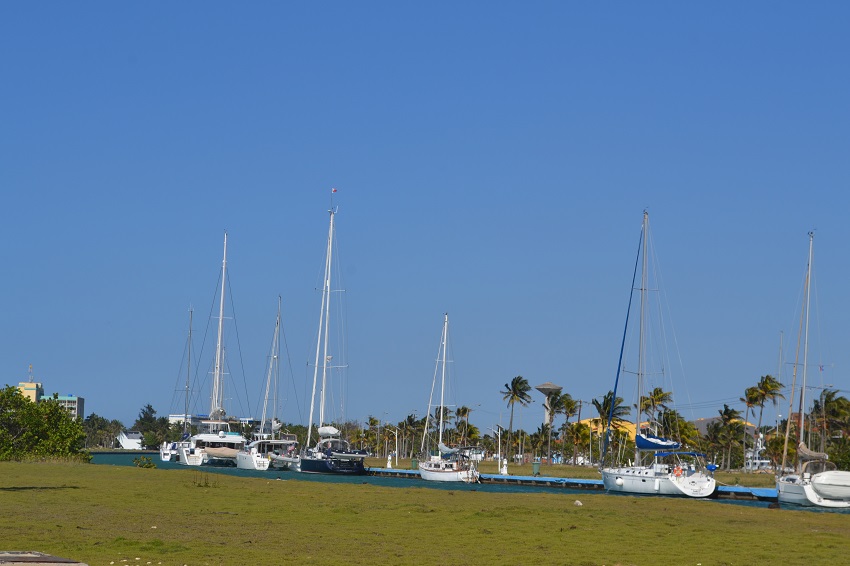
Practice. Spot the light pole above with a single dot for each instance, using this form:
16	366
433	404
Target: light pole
395	433
498	432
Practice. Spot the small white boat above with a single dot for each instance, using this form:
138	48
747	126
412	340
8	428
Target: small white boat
444	463
816	482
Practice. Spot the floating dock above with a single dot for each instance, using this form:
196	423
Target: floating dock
723	491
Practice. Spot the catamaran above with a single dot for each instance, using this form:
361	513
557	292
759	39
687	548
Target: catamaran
441	463
216	444
815	482
659	466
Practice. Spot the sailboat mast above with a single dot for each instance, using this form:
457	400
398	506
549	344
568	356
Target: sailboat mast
217	405
322	338
272	365
188	373
806	338
443	378
642	330
804	317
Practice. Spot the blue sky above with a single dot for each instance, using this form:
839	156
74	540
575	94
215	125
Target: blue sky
492	160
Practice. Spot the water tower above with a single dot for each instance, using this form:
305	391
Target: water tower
546	389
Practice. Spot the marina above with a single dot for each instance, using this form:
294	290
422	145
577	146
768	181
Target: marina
396	477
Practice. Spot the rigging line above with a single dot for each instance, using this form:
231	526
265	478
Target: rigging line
197	381
622	347
239	349
291	373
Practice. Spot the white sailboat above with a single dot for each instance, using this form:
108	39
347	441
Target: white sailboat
667	471
170	451
268	444
216	444
816	482
331	453
442	463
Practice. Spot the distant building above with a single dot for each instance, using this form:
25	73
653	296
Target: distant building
75	405
31	390
131	440
193	420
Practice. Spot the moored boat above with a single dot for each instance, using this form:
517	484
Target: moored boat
440	462
659	467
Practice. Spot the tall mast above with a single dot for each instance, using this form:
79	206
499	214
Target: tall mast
806	338
642	330
273	361
443	379
217	406
322	339
804	318
188	373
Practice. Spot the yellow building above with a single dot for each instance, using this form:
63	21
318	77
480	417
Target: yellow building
31	390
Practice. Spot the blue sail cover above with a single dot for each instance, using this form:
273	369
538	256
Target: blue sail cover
652	442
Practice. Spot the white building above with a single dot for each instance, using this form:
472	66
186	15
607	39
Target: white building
130	440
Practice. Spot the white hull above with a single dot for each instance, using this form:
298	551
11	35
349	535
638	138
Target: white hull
189	456
647	480
286	462
833	484
251	461
206	447
443	470
825	489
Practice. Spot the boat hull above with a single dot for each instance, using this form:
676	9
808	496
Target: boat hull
292	463
251	461
446	472
333	465
647	480
814	491
833	484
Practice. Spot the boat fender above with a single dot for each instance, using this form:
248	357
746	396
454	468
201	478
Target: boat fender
678	472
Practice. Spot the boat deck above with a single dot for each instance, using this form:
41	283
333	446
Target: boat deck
723	491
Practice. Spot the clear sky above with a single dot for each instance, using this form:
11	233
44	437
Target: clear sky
492	159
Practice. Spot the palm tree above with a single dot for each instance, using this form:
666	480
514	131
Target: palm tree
610	407
649	404
462	417
730	420
604	408
750	399
768	390
517	391
579	435
553	405
374	425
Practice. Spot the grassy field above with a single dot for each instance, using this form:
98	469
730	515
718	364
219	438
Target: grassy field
126	515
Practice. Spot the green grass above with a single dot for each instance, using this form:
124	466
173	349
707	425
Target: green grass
105	514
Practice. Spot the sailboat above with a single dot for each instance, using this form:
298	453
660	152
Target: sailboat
444	463
169	451
331	454
815	482
659	467
216	444
268	443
